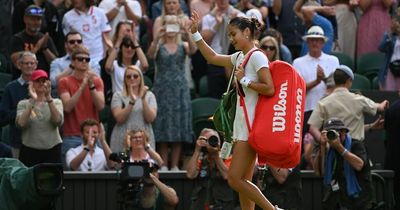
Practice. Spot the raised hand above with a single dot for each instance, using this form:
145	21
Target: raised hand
41	43
320	73
239	72
32	92
195	22
47	89
144	91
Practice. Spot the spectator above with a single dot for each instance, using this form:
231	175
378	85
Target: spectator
343	163
82	95
51	21
91	22
15	91
134	107
214	27
271	48
173	124
202	7
30	39
281	186
157	8
347	106
39	119
247	5
210	172
374	21
155	194
61	67
284	52
121	10
88	156
392	125
388	81
309	11
126	52
291	27
6	29
315	67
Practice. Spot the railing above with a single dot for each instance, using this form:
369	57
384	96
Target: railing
98	191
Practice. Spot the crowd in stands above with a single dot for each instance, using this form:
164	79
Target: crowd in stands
132	65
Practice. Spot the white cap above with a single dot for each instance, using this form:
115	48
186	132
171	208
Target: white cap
315	32
256	14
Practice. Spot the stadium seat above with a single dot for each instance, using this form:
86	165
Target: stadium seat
203	86
375	83
344	59
369	64
5	78
360	82
202	109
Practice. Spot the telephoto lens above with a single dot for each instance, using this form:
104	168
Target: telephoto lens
213	141
332	135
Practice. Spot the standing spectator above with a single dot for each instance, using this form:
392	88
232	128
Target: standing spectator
309	11
392	146
173	124
39	119
88	156
214	27
14	92
374	21
210	172
291	26
82	95
343	163
91	22
157	8
122	10
387	80
315	67
30	39
134	107
343	104
51	21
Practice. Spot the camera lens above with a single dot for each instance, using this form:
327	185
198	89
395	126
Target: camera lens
332	134
213	141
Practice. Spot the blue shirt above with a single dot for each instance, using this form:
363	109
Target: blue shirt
326	25
14	92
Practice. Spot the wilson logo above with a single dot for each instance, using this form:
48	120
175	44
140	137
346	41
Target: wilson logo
297	120
279	121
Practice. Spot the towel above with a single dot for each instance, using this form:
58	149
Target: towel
352	186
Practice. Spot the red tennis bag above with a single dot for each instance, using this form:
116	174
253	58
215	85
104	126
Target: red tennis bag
276	133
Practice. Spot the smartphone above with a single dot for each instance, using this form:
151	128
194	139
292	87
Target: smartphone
172	28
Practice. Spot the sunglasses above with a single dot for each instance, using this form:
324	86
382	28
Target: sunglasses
268	48
75	41
28	63
81	59
129	46
34	11
130	76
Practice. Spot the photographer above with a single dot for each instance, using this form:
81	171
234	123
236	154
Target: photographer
343	163
210	171
154	194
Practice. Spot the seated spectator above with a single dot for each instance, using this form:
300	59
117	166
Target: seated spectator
271	48
82	95
30	39
88	156
39	119
210	172
343	163
134	107
284	52
15	91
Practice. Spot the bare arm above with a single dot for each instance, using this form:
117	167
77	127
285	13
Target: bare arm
22	120
149	113
319	162
77	161
106	149
364	4
315	132
277	7
112	14
155	156
297	8
121	114
157	27
48	55
387	3
98	99
170	196
130	15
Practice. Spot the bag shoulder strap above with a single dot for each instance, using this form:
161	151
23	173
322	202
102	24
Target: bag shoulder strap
232	75
241	92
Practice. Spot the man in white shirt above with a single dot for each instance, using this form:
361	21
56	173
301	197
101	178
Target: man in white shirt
91	22
122	10
88	156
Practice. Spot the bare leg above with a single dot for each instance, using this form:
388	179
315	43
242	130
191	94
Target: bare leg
240	172
175	153
163	150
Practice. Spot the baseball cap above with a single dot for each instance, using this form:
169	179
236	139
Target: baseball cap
315	32
39	74
346	70
335	124
33	10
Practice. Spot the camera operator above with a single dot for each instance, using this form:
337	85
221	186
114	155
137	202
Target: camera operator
210	171
155	194
343	163
89	156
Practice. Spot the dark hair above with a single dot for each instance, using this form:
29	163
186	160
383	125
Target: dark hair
126	41
274	33
340	77
71	33
244	22
118	28
88	122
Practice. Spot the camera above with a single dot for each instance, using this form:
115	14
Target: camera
332	135
120	157
213	141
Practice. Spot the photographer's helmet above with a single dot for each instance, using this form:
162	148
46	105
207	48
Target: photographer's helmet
335	124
